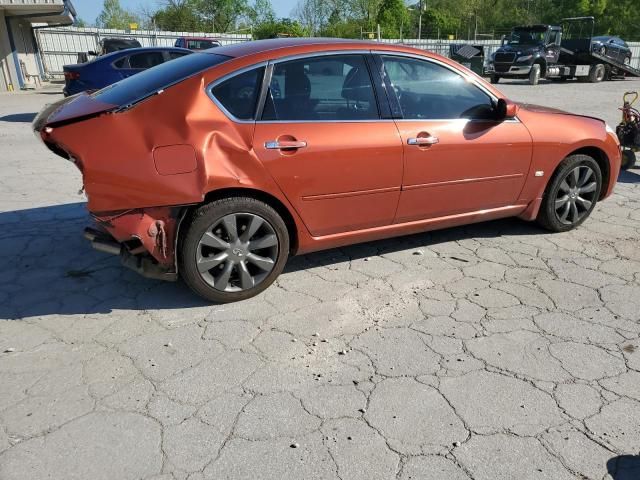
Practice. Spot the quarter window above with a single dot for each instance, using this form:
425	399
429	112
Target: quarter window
239	94
335	87
120	63
426	90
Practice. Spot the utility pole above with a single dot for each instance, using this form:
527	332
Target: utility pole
420	22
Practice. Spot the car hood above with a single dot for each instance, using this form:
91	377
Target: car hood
519	49
542	109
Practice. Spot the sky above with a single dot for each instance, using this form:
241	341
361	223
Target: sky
88	10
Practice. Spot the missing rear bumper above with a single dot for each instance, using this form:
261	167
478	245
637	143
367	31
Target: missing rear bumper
136	258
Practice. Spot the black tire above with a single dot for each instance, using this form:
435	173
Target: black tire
495	79
203	221
628	159
548	216
534	74
597	73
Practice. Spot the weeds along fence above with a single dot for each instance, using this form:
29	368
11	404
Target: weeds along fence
60	46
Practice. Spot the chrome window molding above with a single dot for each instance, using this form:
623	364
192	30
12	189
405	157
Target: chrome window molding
268	73
468	78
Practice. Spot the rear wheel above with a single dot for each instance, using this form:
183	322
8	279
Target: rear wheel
534	75
495	78
571	194
597	73
233	249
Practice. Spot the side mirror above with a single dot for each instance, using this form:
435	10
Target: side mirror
93	53
506	109
503	40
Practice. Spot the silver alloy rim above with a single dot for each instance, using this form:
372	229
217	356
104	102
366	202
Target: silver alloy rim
576	195
237	252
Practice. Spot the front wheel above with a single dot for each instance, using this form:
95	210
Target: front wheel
233	249
571	194
495	79
534	75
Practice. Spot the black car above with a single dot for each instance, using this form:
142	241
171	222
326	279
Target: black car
109	45
612	47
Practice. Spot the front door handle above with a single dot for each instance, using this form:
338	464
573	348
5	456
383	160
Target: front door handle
284	144
422	141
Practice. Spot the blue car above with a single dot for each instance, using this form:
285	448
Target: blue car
113	67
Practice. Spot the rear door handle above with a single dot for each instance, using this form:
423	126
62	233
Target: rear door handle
422	141
284	144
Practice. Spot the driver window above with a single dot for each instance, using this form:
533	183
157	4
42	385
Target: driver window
426	90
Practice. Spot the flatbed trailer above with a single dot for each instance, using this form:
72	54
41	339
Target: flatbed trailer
555	55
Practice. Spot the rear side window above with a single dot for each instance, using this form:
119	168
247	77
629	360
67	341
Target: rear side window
146	60
120	63
135	88
239	94
174	55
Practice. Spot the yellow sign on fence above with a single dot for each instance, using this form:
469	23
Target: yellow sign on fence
133	26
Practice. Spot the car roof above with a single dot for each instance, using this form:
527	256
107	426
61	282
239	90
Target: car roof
244	49
201	38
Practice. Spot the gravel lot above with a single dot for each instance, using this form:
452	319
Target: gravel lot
495	351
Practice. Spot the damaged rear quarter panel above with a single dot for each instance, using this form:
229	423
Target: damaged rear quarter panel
115	150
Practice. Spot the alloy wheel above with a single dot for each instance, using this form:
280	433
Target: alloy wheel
237	252
576	194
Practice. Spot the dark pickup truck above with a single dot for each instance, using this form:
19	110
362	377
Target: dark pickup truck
555	52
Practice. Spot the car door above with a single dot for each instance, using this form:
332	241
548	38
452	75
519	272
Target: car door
552	47
322	138
457	158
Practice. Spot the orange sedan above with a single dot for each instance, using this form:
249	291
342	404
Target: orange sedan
219	165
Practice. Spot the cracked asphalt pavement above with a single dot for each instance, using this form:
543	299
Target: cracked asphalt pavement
494	351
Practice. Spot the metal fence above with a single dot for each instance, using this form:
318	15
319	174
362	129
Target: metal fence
61	45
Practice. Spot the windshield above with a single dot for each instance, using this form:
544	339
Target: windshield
527	37
137	87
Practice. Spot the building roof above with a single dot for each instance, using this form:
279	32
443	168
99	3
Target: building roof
59	12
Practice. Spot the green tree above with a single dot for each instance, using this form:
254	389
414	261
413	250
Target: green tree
178	17
221	15
393	18
277	27
261	12
114	16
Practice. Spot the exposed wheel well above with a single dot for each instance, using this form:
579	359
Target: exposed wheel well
603	162
270	200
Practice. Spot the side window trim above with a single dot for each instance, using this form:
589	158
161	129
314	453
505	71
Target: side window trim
125	63
393	98
373	76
